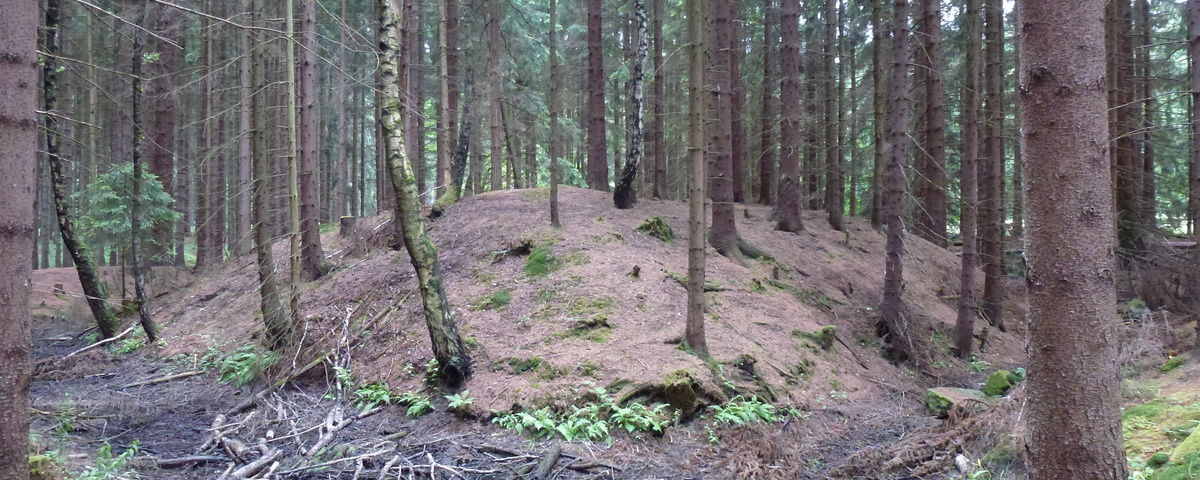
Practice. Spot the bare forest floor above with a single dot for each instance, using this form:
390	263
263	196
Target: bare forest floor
548	315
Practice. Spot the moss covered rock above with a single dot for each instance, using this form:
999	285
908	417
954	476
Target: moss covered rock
940	400
1189	448
998	384
656	227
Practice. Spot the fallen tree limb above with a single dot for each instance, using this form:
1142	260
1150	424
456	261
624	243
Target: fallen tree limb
542	472
164	379
95	345
185	461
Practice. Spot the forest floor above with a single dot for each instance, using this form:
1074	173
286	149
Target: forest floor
548	316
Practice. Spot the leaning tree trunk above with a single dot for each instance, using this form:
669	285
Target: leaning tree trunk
18	154
93	287
964	326
694	330
135	200
1074	388
625	195
899	338
453	364
789	206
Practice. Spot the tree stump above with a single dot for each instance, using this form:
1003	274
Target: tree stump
348	227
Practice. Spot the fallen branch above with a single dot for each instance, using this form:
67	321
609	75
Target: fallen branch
164	379
250	469
185	461
542	472
334	462
96	345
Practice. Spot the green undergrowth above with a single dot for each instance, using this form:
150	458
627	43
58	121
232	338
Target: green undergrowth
245	364
1160	426
597	419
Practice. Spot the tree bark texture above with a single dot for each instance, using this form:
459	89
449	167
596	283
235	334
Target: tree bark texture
1074	387
625	195
453	364
18	154
899	338
789	206
597	155
89	280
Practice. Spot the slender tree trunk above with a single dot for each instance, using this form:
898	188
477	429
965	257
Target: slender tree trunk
964	326
245	155
1193	43
93	287
789	127
737	94
694	331
1149	212
834	180
204	149
723	234
495	85
625	195
554	107
879	104
891	310
1193	40
447	132
453	364
597	160
1127	163
1018	182
295	261
311	253
416	82
18	157
766	157
991	170
279	327
931	178
657	134
162	135
135	200
1074	391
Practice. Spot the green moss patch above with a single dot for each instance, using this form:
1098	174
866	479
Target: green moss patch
1172	363
541	262
823	337
1163	425
940	400
1000	382
495	301
657	228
